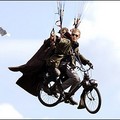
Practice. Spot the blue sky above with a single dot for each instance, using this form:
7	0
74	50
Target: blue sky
28	24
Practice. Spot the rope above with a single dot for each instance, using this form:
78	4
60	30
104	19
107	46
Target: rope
80	13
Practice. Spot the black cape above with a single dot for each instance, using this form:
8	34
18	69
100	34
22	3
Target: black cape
30	79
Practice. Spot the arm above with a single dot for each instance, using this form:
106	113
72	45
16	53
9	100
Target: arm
83	60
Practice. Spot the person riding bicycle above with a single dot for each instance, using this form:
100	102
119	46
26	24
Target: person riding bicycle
64	51
35	65
63	48
73	78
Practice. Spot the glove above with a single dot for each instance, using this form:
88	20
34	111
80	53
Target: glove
90	64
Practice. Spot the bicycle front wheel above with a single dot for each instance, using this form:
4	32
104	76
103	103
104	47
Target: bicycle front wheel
92	100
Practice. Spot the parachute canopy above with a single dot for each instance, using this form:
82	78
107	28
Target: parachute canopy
81	8
78	8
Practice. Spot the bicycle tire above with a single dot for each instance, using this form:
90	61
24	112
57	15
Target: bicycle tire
49	100
92	95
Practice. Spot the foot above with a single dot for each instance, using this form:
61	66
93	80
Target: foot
69	99
72	102
66	97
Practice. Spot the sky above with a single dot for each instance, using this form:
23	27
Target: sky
28	24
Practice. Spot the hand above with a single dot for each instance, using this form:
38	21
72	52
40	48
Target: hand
52	37
90	64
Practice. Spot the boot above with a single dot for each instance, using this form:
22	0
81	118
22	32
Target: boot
69	99
72	102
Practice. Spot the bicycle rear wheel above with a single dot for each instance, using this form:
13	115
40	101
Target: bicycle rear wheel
49	100
92	100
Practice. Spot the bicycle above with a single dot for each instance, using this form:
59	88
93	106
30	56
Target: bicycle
91	95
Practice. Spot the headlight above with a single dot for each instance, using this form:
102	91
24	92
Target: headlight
93	82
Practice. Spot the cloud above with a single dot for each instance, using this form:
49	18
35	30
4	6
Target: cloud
8	34
7	111
102	28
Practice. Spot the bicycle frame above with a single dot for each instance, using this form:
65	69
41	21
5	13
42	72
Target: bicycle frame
90	93
86	82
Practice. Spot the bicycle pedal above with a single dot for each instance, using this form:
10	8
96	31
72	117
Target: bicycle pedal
66	101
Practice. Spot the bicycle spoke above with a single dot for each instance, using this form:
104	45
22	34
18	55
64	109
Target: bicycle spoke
92	100
49	100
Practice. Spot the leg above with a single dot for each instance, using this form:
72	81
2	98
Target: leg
54	75
73	81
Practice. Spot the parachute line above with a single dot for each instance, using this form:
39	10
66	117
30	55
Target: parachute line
84	9
80	13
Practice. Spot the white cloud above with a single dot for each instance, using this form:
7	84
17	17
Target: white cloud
8	34
104	24
108	25
7	111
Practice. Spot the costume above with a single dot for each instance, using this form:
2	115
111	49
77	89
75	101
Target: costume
31	70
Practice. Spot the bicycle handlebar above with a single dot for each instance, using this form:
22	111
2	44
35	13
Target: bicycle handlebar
83	69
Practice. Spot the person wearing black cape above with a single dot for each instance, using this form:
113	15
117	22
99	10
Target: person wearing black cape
36	65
